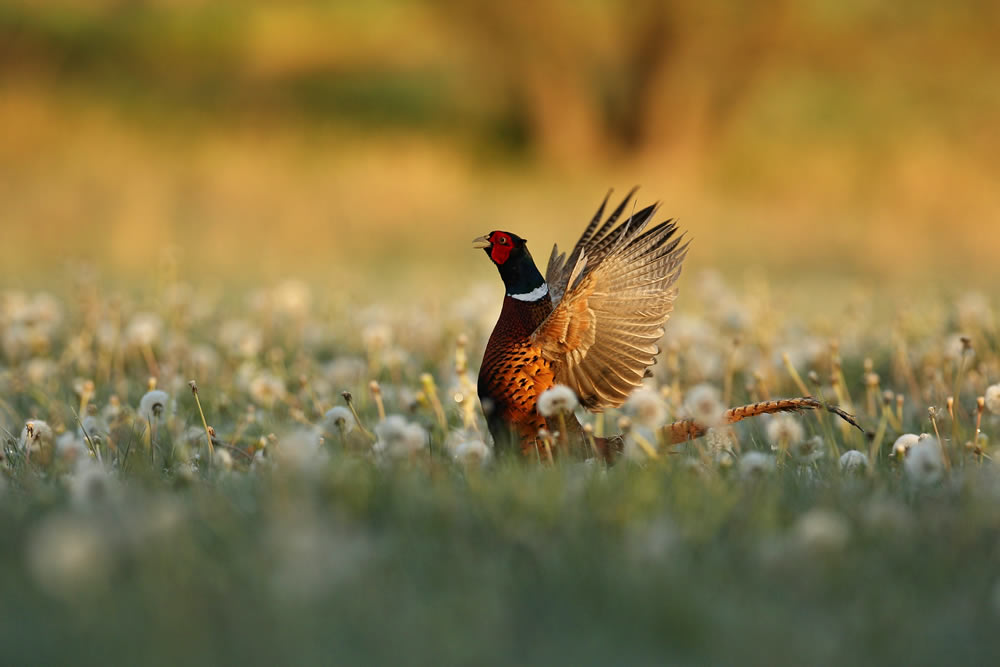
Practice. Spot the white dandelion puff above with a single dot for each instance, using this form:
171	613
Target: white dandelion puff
153	405
338	420
903	444
854	462
703	405
93	427
376	336
70	446
647	407
67	555
722	443
267	389
992	397
808	450
39	371
222	459
785	432
556	399
957	347
35	435
924	464
398	438
822	531
143	330
472	452
89	485
241	339
754	465
300	450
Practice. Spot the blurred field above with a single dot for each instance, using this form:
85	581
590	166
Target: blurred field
323	139
276	201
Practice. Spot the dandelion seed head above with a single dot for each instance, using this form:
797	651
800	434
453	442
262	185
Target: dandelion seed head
903	444
67	555
957	347
647	407
808	450
222	459
703	405
153	405
338	419
70	446
558	398
38	371
186	470
267	389
992	397
472	452
35	435
300	450
785	431
396	437
89	485
721	439
822	531
143	330
924	464
113	410
755	464
241	339
376	336
853	462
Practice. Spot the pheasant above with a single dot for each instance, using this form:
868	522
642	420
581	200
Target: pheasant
591	323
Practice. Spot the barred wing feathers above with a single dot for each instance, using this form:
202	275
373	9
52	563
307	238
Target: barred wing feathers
612	297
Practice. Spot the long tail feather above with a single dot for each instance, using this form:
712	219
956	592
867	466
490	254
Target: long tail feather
687	429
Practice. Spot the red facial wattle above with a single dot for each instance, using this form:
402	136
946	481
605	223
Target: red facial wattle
502	245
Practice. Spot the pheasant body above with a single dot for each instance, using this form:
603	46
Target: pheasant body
591	323
514	374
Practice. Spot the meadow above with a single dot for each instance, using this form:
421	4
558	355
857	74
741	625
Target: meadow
240	328
300	537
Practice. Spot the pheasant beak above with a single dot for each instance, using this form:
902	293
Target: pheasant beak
481	242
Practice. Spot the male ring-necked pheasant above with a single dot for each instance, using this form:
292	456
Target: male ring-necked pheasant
591	323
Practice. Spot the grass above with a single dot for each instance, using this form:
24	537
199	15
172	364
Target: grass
300	543
170	164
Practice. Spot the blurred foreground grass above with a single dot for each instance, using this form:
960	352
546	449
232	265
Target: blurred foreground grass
276	200
299	541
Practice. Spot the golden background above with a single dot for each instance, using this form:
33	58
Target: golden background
367	143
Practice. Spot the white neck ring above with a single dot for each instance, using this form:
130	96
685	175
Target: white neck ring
533	295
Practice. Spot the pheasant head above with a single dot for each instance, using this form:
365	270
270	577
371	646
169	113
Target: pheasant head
509	252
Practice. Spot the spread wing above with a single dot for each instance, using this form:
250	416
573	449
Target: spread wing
612	297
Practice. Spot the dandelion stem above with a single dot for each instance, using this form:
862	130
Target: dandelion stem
563	434
349	399
86	436
204	422
980	406
430	389
876	445
796	378
944	450
376	391
150	359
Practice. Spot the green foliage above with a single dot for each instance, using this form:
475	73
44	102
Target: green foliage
292	547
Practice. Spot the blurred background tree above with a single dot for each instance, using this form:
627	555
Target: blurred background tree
846	129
